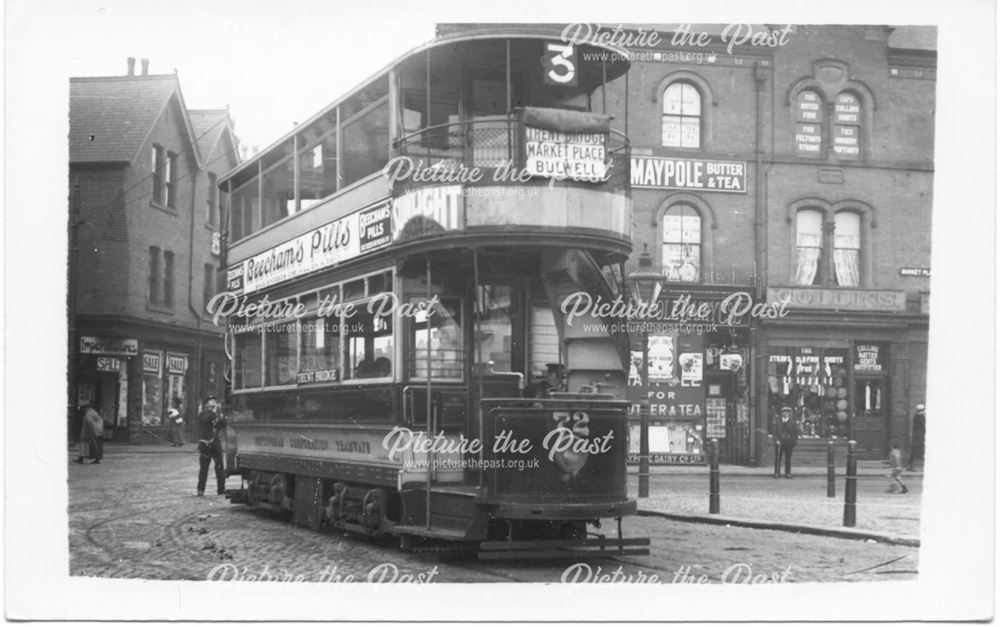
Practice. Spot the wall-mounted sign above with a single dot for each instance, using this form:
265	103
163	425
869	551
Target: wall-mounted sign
670	173
555	154
869	358
323	247
216	244
846	141
93	345
842	299
921	272
151	362
177	364
108	364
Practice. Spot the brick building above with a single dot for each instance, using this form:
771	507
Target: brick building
778	164
144	249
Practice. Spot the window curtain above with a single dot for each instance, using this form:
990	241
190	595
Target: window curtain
846	262
808	264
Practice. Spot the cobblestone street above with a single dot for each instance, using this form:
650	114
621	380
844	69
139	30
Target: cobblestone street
136	516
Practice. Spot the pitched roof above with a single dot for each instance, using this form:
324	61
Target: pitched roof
110	116
208	126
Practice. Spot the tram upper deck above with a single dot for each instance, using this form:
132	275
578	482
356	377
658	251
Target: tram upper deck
471	138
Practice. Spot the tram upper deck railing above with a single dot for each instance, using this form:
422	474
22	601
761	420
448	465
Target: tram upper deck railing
506	150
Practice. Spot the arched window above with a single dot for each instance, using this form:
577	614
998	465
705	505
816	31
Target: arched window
681	116
682	244
809	124
847	126
809	246
847	248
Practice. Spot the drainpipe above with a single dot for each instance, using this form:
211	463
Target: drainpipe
760	258
195	312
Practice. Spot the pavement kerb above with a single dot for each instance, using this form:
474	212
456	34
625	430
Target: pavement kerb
835	532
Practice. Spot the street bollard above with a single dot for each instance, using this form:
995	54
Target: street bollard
851	485
831	472
713	476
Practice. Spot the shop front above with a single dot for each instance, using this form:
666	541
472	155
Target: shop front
135	376
845	375
692	364
103	381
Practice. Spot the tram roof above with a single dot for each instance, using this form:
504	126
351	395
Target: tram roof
488	32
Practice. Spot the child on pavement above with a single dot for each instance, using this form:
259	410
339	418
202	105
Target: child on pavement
896	469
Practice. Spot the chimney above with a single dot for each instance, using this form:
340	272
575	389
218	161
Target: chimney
131	66
145	67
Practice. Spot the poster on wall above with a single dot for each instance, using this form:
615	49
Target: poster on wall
662	349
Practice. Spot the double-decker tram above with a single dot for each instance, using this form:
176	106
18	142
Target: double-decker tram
423	293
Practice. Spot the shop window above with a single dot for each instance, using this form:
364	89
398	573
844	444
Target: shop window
847	248
814	383
681	244
444	347
681	116
809	124
808	246
281	352
246	360
152	388
368	344
847	126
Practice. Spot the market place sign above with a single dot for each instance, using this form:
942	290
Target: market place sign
695	174
840	299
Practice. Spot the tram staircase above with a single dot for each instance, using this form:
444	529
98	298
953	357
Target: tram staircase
596	360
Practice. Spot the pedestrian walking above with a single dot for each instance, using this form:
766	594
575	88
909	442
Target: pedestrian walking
895	463
917	432
91	445
786	435
176	422
210	424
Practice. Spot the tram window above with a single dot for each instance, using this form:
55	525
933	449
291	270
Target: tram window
369	345
281	352
245	204
318	161
494	326
544	340
246	360
366	143
320	342
279	193
447	354
354	290
379	283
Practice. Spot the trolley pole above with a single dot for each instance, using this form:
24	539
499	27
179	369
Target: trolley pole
644	448
851	486
831	472
713	476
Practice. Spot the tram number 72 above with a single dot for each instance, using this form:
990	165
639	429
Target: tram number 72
577	421
560	64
